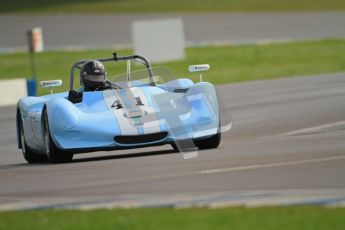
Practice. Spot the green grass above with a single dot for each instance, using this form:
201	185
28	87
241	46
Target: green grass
228	63
149	6
314	218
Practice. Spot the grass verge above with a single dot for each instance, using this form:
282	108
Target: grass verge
228	63
154	6
282	218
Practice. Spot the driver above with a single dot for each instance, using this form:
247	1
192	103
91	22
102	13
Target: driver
93	76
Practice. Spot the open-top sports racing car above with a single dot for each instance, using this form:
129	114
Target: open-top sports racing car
136	109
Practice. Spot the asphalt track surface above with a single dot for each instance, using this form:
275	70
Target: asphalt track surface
114	31
286	147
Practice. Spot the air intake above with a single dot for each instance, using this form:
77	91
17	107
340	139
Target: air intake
140	139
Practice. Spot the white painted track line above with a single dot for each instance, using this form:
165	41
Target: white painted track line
278	164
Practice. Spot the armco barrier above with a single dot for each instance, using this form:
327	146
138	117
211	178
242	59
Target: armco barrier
11	90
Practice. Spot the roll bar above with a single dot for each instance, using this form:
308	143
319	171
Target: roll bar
77	65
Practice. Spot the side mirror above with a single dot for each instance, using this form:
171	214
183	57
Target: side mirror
50	84
199	68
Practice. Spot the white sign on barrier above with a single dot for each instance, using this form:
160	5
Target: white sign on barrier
11	91
159	40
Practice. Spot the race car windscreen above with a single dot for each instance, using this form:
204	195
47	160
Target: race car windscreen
138	78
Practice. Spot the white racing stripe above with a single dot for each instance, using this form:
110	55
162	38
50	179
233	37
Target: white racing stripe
149	120
124	123
250	167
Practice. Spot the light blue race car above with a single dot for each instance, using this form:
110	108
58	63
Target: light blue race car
136	109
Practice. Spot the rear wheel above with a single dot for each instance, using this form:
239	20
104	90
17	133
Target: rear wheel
28	154
209	143
54	154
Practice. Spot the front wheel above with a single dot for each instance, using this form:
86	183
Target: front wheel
54	154
209	143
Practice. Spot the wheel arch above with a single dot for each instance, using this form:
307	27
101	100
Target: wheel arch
44	113
44	110
18	117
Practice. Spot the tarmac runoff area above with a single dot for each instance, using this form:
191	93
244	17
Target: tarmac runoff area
114	31
286	147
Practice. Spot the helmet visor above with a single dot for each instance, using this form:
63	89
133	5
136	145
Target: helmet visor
95	78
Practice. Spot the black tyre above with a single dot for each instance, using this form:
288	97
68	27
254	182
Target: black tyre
209	143
29	155
54	154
